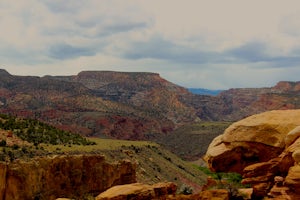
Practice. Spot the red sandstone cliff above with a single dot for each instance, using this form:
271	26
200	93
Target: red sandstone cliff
62	176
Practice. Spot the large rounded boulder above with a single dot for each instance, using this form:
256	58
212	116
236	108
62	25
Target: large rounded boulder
255	139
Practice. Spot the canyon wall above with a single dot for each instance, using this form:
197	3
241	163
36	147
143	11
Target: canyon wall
62	176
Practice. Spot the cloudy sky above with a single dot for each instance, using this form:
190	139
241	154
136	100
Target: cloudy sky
193	43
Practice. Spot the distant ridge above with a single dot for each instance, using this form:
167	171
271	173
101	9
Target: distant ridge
132	105
203	91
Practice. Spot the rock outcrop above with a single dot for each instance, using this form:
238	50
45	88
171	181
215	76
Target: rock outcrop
163	191
279	177
62	176
255	139
276	174
139	191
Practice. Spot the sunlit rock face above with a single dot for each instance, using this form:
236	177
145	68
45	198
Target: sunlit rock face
62	176
139	191
257	138
265	148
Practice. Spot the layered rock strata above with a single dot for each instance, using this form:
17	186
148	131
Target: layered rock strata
62	176
278	178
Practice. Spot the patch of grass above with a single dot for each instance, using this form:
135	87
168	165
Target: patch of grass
190	142
99	144
229	177
9	154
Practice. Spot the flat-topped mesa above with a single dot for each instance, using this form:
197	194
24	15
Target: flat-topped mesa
287	86
129	80
112	76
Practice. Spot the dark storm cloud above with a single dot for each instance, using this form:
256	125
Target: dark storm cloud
254	52
102	29
248	53
66	51
66	6
122	27
158	48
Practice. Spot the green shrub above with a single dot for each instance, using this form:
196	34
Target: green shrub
230	177
37	132
186	190
2	143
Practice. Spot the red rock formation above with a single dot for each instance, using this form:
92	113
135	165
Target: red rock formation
145	102
275	176
62	176
255	139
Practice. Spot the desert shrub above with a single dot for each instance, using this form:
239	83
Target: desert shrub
2	143
186	190
230	181
2	157
231	177
37	132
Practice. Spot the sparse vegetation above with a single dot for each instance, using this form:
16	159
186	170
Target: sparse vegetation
37	132
229	181
230	177
155	164
190	142
2	143
186	190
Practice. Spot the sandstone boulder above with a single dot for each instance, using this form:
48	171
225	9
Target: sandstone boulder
138	191
255	139
292	136
296	156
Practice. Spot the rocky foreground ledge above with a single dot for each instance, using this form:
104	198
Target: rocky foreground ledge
62	176
265	148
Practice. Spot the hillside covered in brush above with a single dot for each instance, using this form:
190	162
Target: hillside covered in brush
36	132
30	149
131	105
113	104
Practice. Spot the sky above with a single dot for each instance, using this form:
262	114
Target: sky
193	43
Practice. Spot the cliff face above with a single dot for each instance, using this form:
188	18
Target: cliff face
131	105
62	176
116	104
235	104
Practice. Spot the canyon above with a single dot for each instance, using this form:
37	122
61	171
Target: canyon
262	144
131	105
